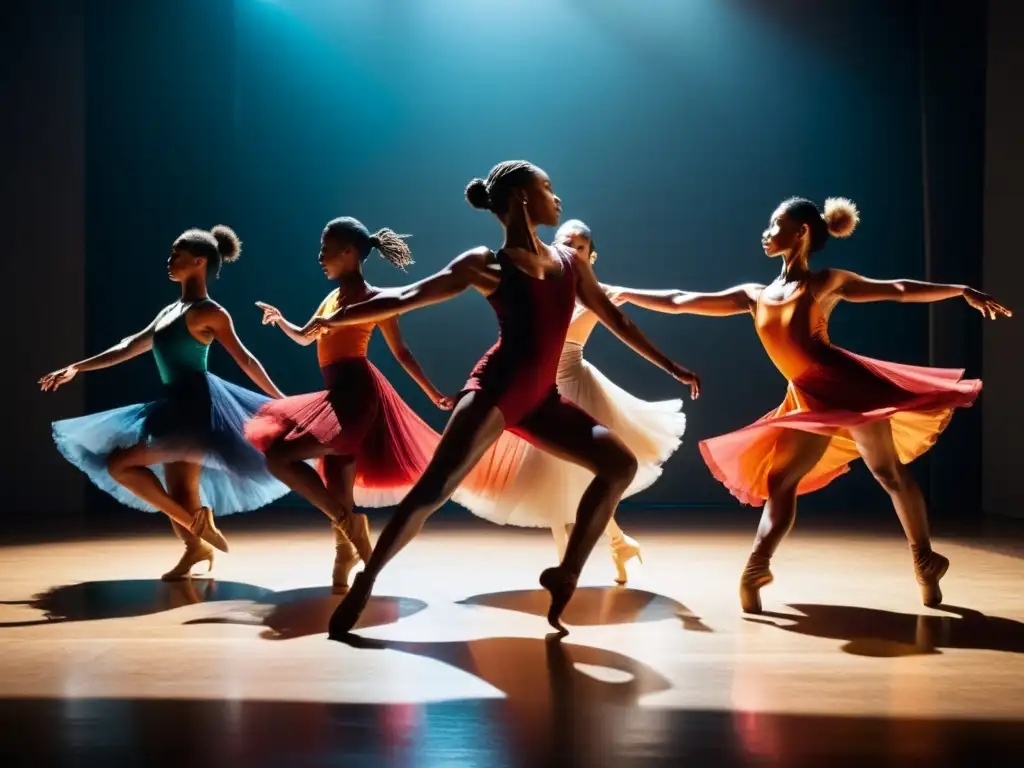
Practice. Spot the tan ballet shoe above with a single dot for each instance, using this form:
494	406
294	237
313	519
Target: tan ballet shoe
755	576
357	527
346	557
195	553
204	528
624	549
929	568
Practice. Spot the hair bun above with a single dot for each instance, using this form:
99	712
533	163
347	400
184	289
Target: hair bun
228	245
477	195
841	216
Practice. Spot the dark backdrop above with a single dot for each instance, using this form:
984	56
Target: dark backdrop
672	128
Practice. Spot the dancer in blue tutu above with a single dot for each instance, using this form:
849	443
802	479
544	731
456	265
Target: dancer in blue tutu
185	454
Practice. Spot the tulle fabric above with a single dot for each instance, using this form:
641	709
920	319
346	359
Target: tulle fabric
360	417
519	484
850	392
201	417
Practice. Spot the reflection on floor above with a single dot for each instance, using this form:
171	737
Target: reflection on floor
452	663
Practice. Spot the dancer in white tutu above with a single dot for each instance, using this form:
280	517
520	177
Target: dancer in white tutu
537	489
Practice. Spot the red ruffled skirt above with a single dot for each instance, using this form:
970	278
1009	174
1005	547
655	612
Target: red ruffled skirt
361	418
850	392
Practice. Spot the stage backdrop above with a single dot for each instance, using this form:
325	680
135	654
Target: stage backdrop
672	128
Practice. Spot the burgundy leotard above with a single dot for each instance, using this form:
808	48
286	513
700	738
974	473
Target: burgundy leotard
533	318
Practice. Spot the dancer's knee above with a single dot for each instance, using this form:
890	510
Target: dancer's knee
890	475
617	464
782	481
117	462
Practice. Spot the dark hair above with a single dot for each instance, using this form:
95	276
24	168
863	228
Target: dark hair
839	220
218	246
494	193
576	227
390	245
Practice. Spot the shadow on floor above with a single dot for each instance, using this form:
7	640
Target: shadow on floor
887	634
287	614
596	606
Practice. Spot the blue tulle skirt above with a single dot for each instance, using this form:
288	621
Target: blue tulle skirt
200	418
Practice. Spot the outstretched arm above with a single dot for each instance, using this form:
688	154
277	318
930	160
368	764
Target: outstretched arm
219	322
466	271
272	316
126	349
393	336
593	296
856	288
737	300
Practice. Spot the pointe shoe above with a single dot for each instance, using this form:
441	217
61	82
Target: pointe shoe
345	559
624	549
357	527
755	576
351	607
929	568
195	553
562	585
204	528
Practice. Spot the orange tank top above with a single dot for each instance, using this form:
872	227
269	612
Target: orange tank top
346	341
794	331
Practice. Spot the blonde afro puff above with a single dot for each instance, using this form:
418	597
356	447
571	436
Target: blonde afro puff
841	216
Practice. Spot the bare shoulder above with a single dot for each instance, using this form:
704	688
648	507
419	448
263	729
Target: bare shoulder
827	281
475	259
209	313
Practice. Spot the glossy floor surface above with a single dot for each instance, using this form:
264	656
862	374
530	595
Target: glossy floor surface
103	663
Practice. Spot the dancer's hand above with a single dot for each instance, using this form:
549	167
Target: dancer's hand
687	377
444	402
985	304
51	381
618	298
271	314
315	328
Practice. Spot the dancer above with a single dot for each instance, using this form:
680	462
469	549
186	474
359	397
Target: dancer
371	446
184	454
533	289
538	489
839	406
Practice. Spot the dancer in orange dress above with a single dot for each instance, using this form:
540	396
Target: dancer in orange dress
839	406
370	445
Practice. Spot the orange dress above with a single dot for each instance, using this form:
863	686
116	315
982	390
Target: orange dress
360	417
831	391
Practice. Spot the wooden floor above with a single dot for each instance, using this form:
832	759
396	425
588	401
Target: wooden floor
101	662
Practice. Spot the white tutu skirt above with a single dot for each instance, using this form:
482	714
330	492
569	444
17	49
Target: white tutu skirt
530	488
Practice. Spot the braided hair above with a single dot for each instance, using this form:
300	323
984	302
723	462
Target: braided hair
389	244
495	192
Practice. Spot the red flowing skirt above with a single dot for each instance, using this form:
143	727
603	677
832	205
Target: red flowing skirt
361	418
849	392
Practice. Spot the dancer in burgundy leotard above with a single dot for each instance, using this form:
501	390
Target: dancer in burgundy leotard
533	289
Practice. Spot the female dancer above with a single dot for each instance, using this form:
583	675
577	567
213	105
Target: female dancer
371	446
190	440
533	290
839	406
543	490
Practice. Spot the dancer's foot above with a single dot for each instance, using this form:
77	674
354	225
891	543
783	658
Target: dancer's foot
562	585
929	568
204	527
755	576
345	559
624	549
351	607
195	552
